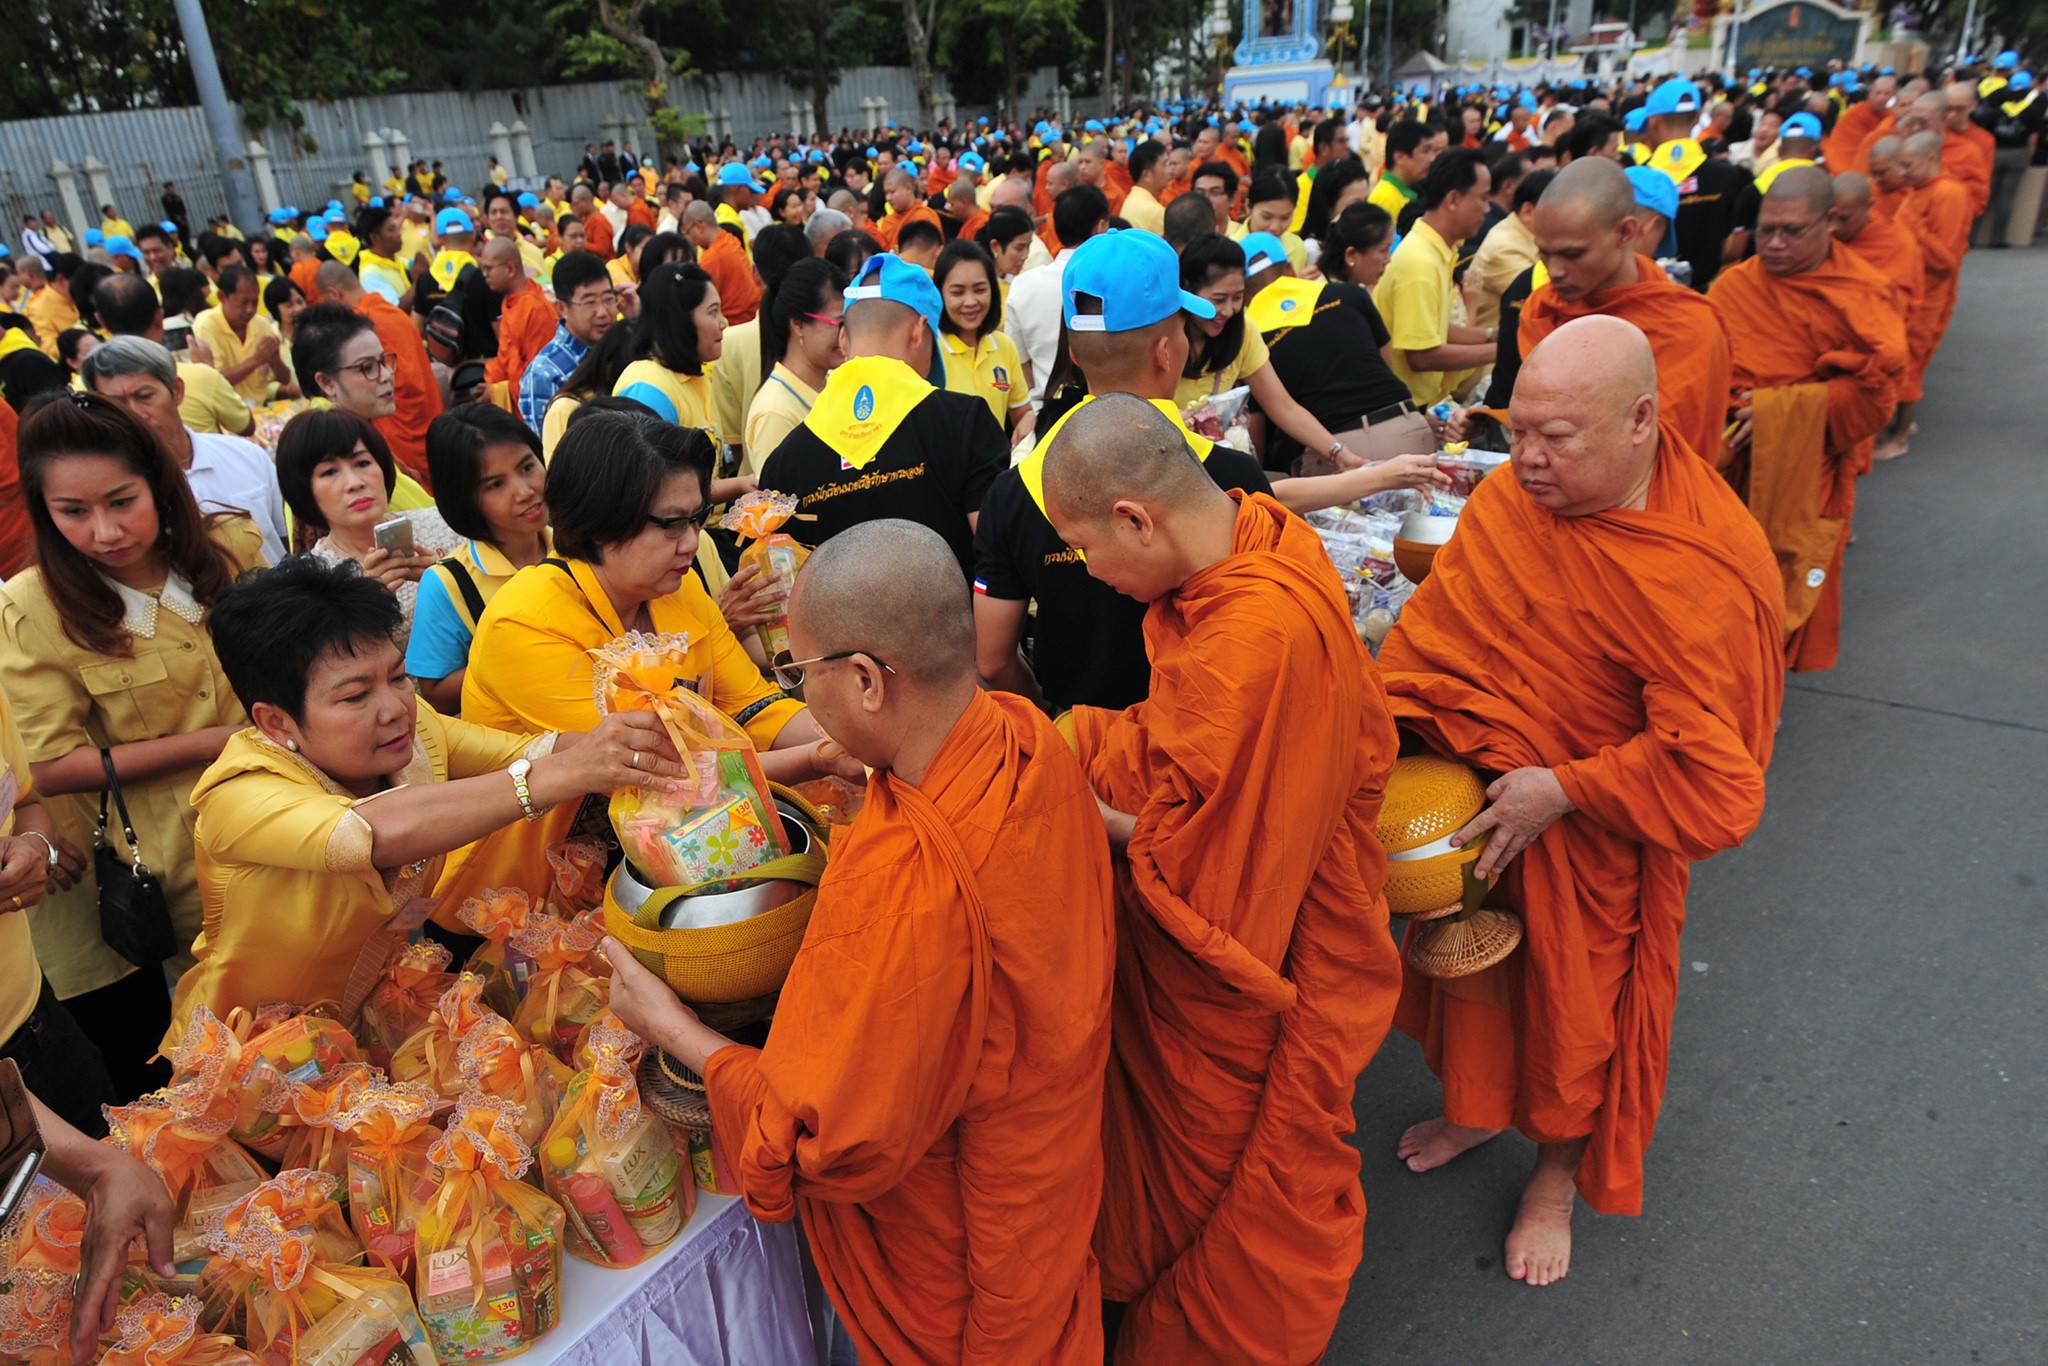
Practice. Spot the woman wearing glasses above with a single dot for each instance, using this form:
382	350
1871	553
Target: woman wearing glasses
337	355
336	474
801	343
628	497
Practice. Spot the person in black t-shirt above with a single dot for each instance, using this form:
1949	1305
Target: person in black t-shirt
1122	303
1707	189
881	441
1508	361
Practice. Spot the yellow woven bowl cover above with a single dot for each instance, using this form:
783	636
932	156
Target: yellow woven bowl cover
1427	798
1432	883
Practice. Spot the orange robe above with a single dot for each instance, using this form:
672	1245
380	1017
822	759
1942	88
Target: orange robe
892	224
303	274
1687	336
1938	214
526	323
1637	655
641	212
1833	332
1967	156
1175	189
973	225
739	291
930	1092
1886	127
414	389
1255	974
1041	198
1840	146
1892	251
597	235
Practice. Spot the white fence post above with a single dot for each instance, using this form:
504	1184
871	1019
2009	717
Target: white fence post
522	149
266	183
373	148
401	151
501	147
102	188
67	190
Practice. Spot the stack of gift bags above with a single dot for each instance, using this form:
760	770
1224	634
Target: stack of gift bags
403	1190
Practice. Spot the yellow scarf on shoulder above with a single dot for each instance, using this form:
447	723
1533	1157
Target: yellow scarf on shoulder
1032	468
1679	159
1288	302
862	404
1776	169
448	264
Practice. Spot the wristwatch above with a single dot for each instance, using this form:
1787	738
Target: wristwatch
519	768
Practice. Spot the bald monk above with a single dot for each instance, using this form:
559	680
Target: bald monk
526	322
1936	209
1892	251
414	388
1588	228
1916	110
1820	353
1966	149
1859	120
930	1091
1255	974
1887	179
1604	632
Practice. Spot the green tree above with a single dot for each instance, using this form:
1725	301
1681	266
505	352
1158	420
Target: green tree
627	42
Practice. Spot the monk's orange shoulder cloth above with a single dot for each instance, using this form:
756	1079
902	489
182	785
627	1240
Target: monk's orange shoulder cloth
1255	973
931	1090
1637	655
1939	215
1687	336
1967	156
1893	252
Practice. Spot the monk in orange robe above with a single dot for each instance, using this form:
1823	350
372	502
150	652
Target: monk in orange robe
1820	352
929	1094
1586	227
1936	209
1604	632
1893	252
414	388
526	321
1903	107
1255	974
1966	149
1858	120
1888	182
725	261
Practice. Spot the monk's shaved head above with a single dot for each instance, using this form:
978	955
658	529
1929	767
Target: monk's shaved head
1585	418
1792	223
1884	164
1585	226
891	589
1596	184
1809	185
1854	196
1123	488
1851	189
500	251
336	281
1923	115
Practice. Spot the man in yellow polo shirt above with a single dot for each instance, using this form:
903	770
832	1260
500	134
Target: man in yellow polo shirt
1330	143
246	347
1149	177
1412	147
1414	296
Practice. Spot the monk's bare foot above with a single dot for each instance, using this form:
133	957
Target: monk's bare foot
1436	1141
1891	448
1540	1244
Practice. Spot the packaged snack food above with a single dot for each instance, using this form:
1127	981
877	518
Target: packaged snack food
313	1112
489	1246
775	554
571	981
1467	466
611	1165
389	1129
158	1330
403	998
723	823
579	876
39	1260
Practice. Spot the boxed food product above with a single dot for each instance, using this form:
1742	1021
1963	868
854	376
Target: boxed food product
611	1165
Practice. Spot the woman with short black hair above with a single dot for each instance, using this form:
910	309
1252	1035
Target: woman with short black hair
333	808
680	332
628	497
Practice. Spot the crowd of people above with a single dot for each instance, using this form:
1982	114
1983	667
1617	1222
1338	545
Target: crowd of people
463	442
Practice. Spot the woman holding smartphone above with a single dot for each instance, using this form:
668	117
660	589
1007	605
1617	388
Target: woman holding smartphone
336	474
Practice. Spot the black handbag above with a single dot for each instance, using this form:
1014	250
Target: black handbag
135	920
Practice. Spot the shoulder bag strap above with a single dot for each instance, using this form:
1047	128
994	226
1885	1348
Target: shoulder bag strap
120	806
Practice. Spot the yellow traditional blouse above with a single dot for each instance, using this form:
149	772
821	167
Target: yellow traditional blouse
64	696
685	400
530	669
291	892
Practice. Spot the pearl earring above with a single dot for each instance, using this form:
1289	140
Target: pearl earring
292	745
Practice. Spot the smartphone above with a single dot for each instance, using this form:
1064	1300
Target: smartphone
395	536
176	338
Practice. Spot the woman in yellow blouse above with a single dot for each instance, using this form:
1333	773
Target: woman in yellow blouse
106	649
980	357
802	341
628	497
321	821
680	333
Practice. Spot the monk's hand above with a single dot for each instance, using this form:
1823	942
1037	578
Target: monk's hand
1520	806
1738	433
645	1005
1119	824
747	601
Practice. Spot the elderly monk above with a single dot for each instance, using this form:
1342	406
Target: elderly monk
929	1095
1859	120
1820	354
1586	230
1255	973
1917	110
1604	632
1966	149
1892	251
1936	209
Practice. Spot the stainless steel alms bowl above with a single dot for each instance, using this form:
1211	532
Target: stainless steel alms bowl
710	909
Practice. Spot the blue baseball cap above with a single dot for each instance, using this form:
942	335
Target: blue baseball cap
915	147
1800	126
280	216
316	228
93	237
528	200
2021	80
336	218
736	176
2005	61
1262	251
1635	118
762	163
888	276
376	201
1134	275
692	167
1658	193
1804	73
452	220
168	226
117	245
1675	96
1093	125
970	161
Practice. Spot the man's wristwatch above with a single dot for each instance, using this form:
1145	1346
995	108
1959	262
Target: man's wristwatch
519	768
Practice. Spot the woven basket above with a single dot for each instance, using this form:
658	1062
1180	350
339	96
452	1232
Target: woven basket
680	1104
1427	798
1460	945
723	965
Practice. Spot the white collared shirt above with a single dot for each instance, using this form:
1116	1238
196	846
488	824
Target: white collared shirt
1031	315
229	473
139	610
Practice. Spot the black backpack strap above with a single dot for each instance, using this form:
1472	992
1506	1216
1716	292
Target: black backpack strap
472	598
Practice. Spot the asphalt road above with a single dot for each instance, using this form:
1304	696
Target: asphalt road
1852	1161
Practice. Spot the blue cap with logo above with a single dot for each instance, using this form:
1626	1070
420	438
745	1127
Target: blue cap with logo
1801	125
316	227
280	216
2005	61
1675	96
1135	278
737	176
452	220
1654	191
1262	251
888	276
970	161
1635	118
